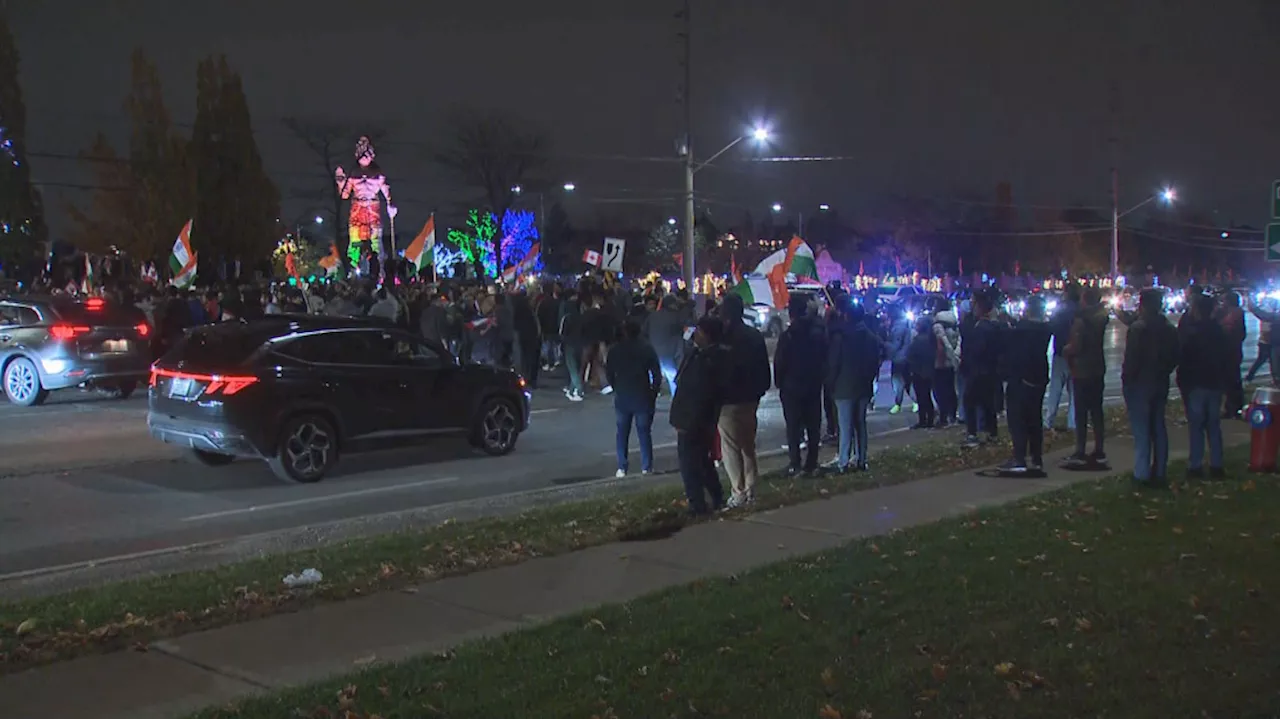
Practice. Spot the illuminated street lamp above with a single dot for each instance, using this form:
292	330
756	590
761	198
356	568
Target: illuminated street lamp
777	207
671	221
759	134
1168	196
824	207
319	220
570	187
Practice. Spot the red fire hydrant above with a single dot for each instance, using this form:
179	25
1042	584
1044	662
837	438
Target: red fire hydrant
1264	441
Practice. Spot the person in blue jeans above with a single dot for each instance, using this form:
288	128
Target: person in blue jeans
853	364
1150	356
632	370
1204	369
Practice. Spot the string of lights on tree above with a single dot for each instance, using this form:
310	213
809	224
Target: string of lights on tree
6	146
475	240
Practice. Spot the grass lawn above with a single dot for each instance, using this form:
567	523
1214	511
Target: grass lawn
1094	601
119	615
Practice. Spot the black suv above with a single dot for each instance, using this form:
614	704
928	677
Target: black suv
296	390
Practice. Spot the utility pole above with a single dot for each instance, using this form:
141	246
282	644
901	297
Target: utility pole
1112	142
689	249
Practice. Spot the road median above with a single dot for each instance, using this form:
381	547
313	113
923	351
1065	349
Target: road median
133	613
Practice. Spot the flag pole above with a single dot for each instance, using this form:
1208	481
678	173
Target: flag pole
434	279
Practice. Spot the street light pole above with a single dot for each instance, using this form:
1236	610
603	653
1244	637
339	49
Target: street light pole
689	249
1115	223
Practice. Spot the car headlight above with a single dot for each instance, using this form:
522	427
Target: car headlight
1051	305
911	316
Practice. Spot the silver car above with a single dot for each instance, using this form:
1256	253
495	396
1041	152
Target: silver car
53	343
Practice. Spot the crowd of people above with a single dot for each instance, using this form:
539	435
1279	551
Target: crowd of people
968	365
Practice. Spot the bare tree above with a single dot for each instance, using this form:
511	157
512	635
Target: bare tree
492	153
332	144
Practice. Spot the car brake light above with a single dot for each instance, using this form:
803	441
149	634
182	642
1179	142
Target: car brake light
225	385
94	303
66	332
143	329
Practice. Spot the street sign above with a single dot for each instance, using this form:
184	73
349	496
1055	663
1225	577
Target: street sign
1273	242
611	259
1275	200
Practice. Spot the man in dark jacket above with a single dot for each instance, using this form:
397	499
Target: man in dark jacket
797	372
695	412
434	323
1150	356
898	338
1204	367
979	361
528	337
1025	361
632	370
749	379
1231	316
549	322
1059	371
1088	375
575	343
853	364
666	327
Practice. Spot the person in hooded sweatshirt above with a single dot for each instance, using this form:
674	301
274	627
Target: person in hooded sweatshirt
979	361
1150	356
853	363
1231	316
574	341
632	371
797	372
1025	365
898	336
666	327
946	334
1204	366
695	412
749	379
922	358
1059	370
1088	375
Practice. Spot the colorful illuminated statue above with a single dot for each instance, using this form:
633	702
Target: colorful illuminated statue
364	224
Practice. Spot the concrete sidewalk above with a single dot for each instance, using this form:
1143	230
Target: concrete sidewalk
190	672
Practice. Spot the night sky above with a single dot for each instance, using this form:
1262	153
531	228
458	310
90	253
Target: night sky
934	98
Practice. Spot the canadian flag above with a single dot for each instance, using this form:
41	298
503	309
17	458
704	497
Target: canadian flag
591	257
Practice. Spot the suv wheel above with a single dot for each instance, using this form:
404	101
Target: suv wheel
212	459
22	383
307	450
497	428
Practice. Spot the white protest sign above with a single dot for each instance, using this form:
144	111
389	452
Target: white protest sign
611	258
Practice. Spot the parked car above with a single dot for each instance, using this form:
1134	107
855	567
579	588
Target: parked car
298	390
54	343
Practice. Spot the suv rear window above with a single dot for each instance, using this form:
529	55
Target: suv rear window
107	316
215	348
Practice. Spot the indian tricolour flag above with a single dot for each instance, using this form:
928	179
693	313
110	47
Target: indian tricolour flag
768	284
421	251
184	261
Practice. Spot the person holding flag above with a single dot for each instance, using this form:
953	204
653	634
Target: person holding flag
421	252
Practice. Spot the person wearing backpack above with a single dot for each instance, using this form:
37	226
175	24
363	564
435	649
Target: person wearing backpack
1150	356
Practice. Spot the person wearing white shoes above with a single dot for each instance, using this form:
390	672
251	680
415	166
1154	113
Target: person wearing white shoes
633	372
899	338
750	377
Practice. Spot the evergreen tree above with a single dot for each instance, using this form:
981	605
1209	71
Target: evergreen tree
22	228
237	204
145	197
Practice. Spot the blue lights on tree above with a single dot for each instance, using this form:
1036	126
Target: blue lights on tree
519	233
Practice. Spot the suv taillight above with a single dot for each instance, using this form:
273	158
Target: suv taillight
214	384
66	332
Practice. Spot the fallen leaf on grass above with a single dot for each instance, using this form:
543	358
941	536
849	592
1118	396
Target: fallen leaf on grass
875	548
1014	692
787	602
602	679
670	657
724	650
862	714
802	615
366	661
1248	486
1194	601
347	696
1186	556
667	694
1083	625
829	712
911	553
1003	669
939	672
828	678
27	626
595	623
1177	530
1051	622
1245	535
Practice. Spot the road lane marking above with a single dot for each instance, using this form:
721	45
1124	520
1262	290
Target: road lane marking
543	411
316	500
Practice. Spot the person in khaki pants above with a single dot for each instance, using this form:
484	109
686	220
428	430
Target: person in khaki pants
750	377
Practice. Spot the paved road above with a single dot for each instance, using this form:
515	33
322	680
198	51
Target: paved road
82	482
